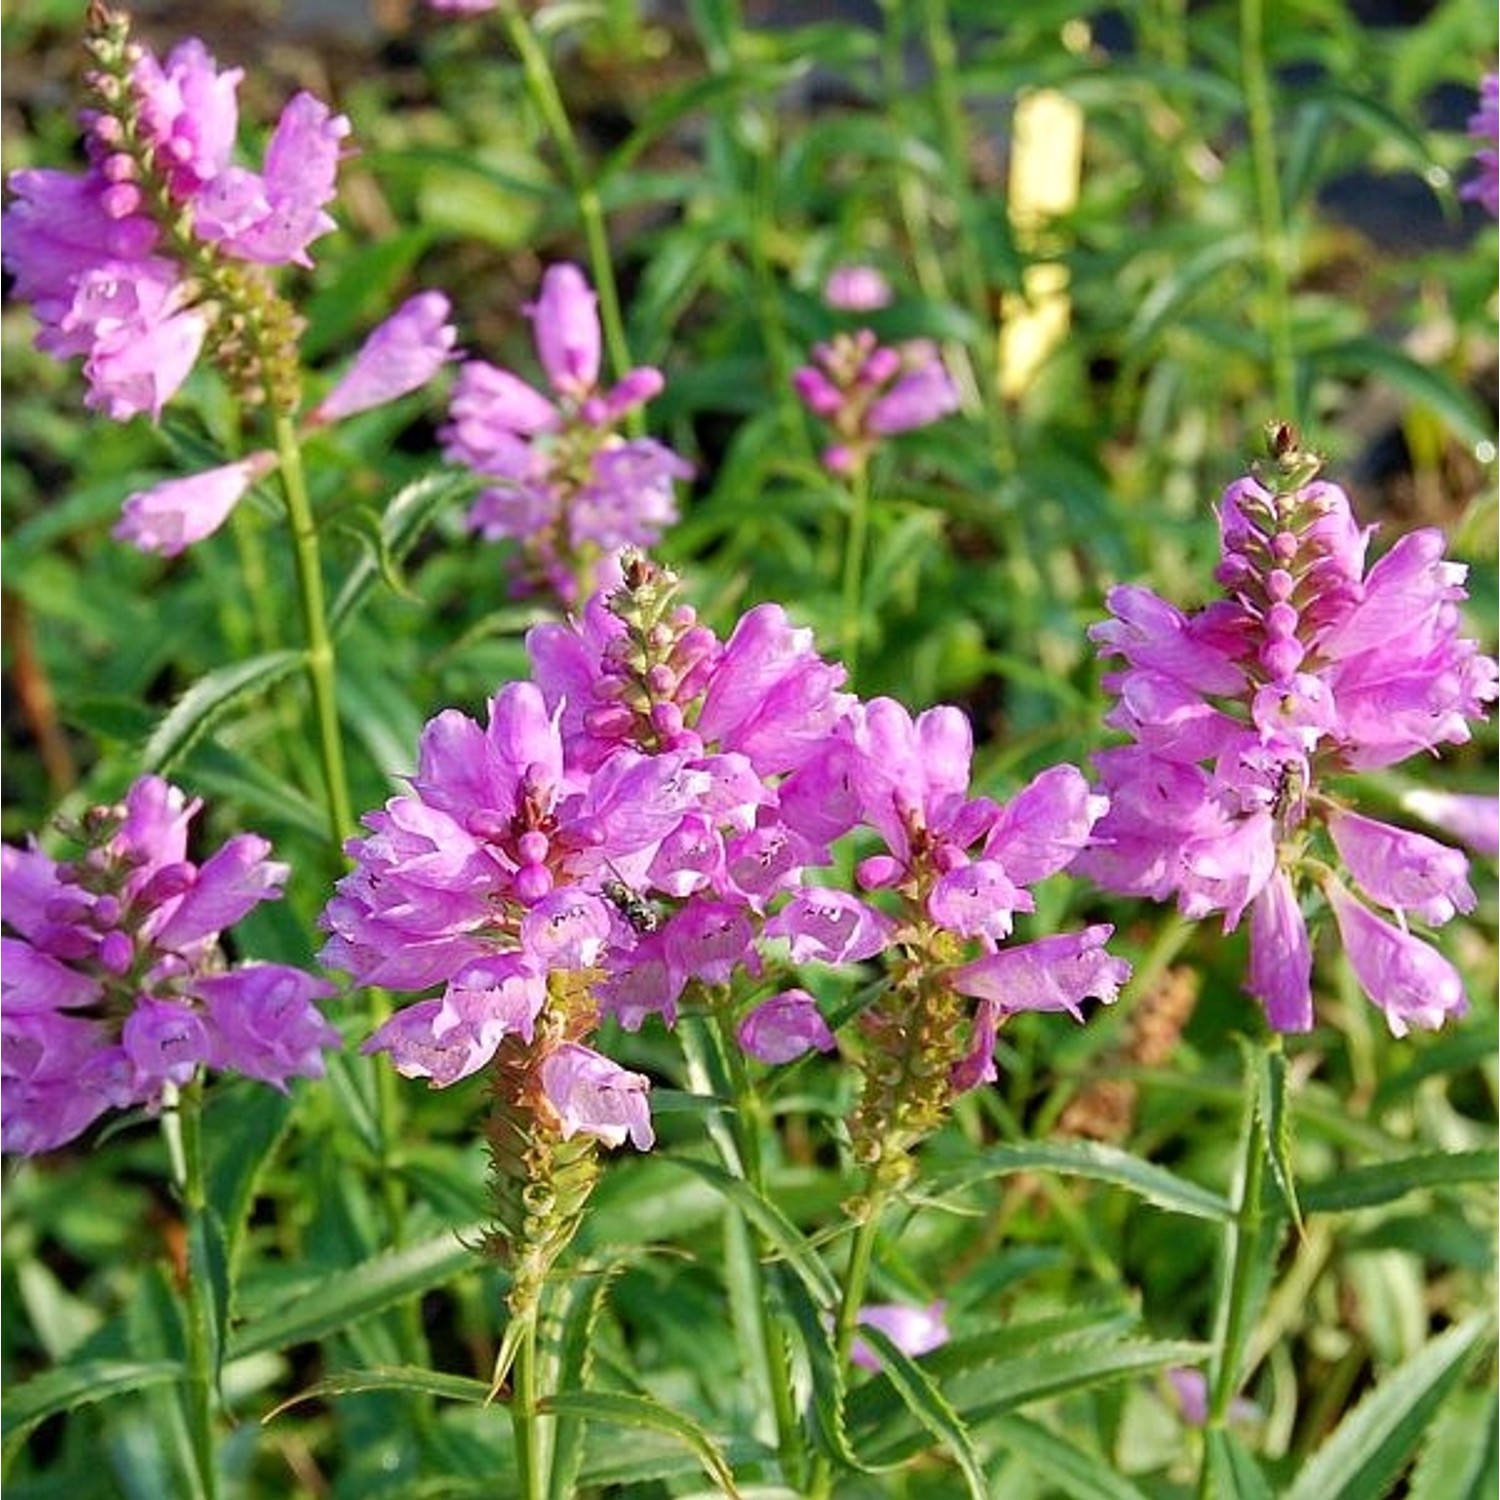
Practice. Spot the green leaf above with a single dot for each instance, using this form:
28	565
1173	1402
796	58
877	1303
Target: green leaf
1098	1163
71	1386
1085	1476
208	700
1420	383
981	1383
623	1410
356	1292
782	1234
1370	1448
1461	1458
587	1296
409	513
1384	1182
1276	1121
1231	1469
409	1378
929	1406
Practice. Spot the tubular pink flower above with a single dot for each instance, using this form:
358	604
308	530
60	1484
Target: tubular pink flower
1404	871
565	317
177	513
784	1028
400	356
1280	974
1484	126
1408	979
593	1096
1050	974
856	289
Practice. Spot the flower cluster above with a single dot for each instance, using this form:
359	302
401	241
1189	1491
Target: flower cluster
130	264
116	985
1484	126
1239	715
867	391
651	816
560	478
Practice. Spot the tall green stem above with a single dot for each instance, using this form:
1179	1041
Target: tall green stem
181	1120
740	1151
320	658
856	1284
549	102
525	1421
856	544
1239	1268
1273	236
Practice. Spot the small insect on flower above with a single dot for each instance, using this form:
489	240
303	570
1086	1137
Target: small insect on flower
642	915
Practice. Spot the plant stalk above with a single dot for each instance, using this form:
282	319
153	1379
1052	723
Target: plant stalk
856	545
525	1420
1238	1268
1273	236
182	1130
320	657
545	94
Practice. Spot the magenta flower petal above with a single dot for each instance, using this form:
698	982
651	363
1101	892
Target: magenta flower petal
1472	818
1401	870
565	320
264	1022
1408	979
784	1028
179	512
1053	973
856	289
1281	956
913	1330
399	356
229	883
594	1096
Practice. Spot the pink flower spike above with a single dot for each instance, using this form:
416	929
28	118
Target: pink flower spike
913	1330
784	1028
179	512
593	1096
1408	979
399	357
566	322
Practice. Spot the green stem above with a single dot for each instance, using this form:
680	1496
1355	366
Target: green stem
942	50
549	102
525	1420
856	544
856	1284
320	658
181	1121
748	1122
1238	1267
1273	236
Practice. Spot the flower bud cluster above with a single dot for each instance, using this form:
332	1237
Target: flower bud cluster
116	986
561	480
1241	715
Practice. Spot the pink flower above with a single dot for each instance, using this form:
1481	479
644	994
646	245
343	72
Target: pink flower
1471	818
913	1330
1484	126
400	356
179	512
131	930
856	289
593	1096
784	1028
1241	715
1408	979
